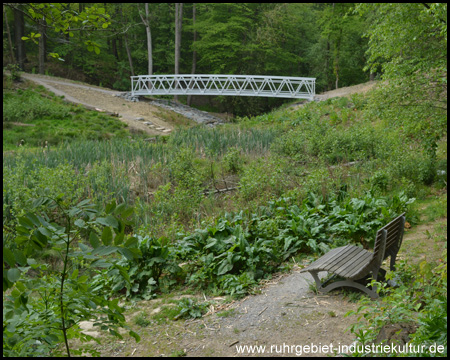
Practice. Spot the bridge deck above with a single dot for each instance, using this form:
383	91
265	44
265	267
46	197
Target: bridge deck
231	85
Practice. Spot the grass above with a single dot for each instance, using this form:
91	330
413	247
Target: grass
36	116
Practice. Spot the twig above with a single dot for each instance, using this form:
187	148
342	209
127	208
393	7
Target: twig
263	310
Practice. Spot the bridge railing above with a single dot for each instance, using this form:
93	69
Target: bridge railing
232	85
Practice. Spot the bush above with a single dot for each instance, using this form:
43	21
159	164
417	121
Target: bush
22	183
233	160
145	273
419	298
415	166
263	178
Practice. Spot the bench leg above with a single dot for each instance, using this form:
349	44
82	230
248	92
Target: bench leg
372	293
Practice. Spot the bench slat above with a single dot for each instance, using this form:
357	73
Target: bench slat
354	263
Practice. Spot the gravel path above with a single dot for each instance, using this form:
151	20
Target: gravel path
286	313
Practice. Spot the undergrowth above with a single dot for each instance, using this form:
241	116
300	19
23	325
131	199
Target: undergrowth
215	210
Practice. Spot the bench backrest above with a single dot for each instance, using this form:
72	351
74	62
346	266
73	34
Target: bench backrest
394	236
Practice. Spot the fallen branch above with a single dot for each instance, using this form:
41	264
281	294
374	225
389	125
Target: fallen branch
219	191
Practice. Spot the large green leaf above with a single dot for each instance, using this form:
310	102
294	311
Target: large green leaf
13	274
107	236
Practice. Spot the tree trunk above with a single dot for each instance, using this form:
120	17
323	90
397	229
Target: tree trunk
18	33
146	22
336	58
42	46
127	48
327	64
149	41
178	24
11	51
194	54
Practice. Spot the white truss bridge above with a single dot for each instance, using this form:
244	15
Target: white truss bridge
232	85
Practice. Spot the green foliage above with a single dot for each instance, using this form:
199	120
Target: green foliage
45	307
36	118
337	57
262	177
420	297
145	273
409	44
28	105
222	28
190	309
233	160
357	220
232	256
20	184
64	19
333	144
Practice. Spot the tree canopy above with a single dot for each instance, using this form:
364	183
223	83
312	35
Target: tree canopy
340	44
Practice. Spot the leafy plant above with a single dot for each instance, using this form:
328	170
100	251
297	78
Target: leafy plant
47	303
145	273
233	160
190	309
420	297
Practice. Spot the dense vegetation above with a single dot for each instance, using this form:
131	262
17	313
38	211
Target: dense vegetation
101	215
106	43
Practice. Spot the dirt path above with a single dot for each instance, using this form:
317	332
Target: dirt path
137	115
286	315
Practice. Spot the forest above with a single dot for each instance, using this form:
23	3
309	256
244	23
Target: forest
106	44
100	220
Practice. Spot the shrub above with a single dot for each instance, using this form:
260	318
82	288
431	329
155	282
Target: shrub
22	183
420	297
233	160
145	273
46	303
263	178
416	166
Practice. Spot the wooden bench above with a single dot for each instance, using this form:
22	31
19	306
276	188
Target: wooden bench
354	263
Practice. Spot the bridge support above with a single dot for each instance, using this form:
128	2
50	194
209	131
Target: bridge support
231	85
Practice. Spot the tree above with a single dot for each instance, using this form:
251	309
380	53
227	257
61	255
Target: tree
223	30
194	52
408	42
338	55
59	17
19	24
8	31
43	34
146	22
178	27
127	47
